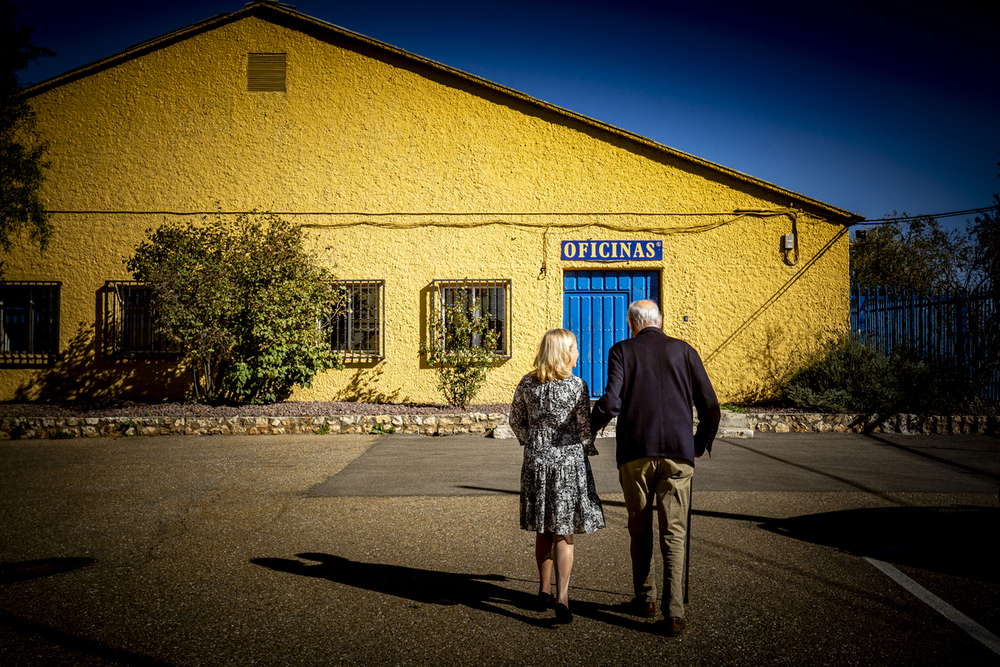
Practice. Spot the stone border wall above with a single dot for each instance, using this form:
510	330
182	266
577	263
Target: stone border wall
109	427
902	423
454	424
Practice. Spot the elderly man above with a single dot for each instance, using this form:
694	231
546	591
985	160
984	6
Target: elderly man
653	380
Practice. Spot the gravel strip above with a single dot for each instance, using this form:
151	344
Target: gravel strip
286	409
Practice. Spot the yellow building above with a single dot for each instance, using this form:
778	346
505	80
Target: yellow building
412	178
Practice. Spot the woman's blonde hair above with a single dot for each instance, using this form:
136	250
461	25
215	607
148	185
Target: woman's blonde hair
552	360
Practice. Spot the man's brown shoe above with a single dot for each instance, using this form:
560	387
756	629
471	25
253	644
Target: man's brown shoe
673	626
640	607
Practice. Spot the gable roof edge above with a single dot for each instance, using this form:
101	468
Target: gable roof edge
261	8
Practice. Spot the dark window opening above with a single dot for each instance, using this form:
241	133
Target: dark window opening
356	329
130	322
480	298
29	322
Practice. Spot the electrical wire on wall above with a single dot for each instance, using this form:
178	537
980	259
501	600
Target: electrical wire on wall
487	218
637	214
450	221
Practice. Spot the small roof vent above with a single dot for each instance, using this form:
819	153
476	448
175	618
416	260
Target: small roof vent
269	2
266	72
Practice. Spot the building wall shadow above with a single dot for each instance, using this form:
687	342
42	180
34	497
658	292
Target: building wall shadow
79	374
951	540
363	386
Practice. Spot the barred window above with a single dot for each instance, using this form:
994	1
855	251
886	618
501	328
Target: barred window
488	298
29	322
130	322
356	329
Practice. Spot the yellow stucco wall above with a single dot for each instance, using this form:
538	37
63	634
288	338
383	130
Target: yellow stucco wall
409	173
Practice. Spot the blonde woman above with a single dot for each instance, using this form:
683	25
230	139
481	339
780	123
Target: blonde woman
550	415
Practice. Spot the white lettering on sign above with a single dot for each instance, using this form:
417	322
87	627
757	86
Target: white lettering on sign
612	251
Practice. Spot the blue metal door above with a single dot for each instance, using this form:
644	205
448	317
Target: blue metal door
594	308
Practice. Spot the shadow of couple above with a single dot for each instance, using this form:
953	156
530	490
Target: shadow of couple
483	592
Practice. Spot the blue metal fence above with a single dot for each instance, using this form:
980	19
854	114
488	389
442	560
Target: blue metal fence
947	326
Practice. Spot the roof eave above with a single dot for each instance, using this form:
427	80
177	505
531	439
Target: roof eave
265	7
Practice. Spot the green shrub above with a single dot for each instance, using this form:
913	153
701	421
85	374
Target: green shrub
461	347
243	301
846	375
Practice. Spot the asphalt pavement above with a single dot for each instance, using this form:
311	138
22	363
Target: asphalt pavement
812	549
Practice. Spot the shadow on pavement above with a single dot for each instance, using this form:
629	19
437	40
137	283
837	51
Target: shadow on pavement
42	567
957	540
937	459
419	585
91	652
477	591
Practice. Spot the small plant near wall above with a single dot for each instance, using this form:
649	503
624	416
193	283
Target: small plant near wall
461	347
382	429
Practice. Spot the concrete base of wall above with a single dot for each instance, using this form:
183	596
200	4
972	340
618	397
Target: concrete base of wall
901	423
105	427
495	425
732	425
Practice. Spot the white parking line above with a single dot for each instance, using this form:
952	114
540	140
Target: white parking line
973	629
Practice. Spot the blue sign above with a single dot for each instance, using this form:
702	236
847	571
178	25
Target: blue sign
612	251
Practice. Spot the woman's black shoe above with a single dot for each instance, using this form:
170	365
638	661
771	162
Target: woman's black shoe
563	614
543	601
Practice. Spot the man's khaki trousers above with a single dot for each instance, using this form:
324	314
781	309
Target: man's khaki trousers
669	482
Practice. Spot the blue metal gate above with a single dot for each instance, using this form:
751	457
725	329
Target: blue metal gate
594	308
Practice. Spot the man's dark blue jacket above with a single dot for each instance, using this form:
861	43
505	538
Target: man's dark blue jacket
653	380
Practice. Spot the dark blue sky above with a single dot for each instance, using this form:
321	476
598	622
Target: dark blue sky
865	107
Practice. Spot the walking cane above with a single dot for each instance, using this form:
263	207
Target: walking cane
687	546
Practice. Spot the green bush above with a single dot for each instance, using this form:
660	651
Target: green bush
461	347
846	375
243	300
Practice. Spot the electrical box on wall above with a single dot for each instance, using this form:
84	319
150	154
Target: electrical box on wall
788	242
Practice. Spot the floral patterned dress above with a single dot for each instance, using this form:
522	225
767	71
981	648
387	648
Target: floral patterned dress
552	421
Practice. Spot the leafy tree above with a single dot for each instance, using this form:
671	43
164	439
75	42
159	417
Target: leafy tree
22	153
985	230
243	301
916	254
461	348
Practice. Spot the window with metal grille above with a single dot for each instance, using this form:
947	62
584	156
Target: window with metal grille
356	329
486	298
29	322
130	322
266	72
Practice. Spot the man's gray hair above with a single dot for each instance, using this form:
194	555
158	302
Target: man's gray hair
643	314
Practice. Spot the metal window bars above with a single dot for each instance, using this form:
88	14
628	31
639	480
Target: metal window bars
356	329
29	322
952	326
129	329
490	297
